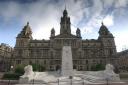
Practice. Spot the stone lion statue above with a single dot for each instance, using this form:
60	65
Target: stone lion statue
101	76
28	75
28	71
109	69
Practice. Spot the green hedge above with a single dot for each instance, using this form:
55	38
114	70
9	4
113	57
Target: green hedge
11	76
19	69
37	67
98	67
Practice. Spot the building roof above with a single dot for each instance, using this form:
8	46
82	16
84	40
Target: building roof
122	53
66	36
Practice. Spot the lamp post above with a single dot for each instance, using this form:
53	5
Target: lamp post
11	68
83	81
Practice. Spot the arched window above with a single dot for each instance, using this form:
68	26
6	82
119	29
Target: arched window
86	61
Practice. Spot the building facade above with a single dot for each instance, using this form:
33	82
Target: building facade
48	53
6	52
122	61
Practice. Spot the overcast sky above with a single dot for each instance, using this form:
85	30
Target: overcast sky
45	14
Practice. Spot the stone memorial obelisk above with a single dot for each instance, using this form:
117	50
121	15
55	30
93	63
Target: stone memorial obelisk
67	65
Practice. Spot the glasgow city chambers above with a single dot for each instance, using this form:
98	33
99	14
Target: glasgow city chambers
86	53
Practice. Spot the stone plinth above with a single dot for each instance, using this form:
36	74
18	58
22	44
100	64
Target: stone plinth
67	65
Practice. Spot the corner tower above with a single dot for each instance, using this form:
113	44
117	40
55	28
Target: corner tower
107	40
21	49
24	36
65	27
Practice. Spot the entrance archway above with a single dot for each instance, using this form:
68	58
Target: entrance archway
58	67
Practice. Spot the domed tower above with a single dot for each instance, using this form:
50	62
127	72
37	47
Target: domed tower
107	41
104	31
24	36
21	49
65	23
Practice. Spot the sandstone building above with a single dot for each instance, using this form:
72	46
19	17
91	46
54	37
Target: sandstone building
48	53
122	61
6	52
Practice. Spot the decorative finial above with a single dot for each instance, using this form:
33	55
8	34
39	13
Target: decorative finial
65	4
102	23
27	23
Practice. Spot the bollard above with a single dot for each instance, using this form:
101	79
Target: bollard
9	82
58	81
33	82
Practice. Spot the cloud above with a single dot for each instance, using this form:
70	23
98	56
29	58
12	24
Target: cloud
121	41
41	16
46	13
108	20
121	3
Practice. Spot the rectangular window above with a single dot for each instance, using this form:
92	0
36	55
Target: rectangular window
18	62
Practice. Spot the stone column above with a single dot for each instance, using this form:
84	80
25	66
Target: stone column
67	65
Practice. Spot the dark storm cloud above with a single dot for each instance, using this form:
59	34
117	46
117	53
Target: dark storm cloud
20	1
31	1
